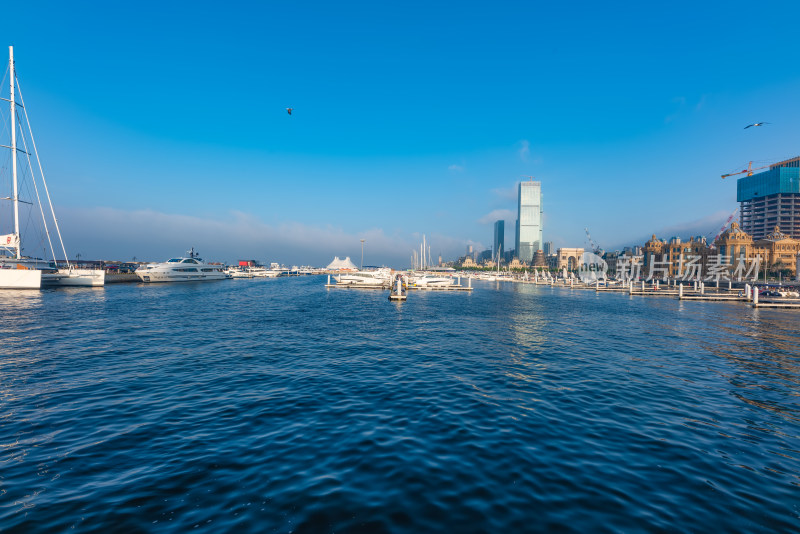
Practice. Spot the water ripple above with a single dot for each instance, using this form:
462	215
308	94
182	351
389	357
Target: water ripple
277	405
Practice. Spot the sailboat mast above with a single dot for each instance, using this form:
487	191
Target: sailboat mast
14	149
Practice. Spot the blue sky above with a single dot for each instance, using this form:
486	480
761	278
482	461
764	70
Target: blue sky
165	127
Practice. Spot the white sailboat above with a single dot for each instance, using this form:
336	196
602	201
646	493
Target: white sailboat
16	271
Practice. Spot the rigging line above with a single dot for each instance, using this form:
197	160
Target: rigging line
5	74
35	187
41	172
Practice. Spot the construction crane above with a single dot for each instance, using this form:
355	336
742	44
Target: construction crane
595	247
749	170
732	217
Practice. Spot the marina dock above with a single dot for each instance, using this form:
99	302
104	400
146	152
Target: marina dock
386	287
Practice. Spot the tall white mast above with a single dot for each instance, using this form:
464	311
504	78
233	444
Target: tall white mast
14	150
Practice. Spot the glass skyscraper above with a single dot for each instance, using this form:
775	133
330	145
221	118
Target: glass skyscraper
499	238
529	220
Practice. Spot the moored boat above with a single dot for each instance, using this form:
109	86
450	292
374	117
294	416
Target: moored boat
183	269
379	277
17	271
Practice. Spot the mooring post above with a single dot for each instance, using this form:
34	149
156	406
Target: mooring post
755	296
680	291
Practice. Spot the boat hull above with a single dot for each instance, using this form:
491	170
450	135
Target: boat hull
78	278
20	279
159	277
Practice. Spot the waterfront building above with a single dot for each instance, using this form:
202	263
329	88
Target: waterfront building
778	252
529	220
341	265
516	264
781	251
548	248
734	243
569	258
771	198
539	259
611	261
633	251
658	252
499	238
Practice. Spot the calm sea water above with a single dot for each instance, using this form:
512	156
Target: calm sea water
280	406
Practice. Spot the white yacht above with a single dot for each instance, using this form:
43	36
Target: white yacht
432	280
379	277
239	272
191	269
263	272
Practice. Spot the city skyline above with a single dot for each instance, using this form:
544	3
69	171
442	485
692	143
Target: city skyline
153	145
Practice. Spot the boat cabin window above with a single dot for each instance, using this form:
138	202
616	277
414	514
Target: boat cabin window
189	260
174	260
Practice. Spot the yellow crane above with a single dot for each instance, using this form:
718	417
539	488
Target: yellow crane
749	170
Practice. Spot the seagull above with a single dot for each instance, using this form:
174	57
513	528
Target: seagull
749	125
289	111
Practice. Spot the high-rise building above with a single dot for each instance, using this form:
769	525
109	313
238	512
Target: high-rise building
771	198
499	238
549	248
529	220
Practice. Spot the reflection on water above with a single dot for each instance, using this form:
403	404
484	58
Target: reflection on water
16	299
278	405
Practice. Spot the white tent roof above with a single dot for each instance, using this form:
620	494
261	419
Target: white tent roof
341	265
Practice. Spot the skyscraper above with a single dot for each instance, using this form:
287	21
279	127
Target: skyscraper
771	198
499	238
529	220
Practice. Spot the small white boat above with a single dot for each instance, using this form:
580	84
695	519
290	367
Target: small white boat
379	277
75	277
263	272
432	280
238	272
184	269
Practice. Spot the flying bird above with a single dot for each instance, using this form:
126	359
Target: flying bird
755	124
289	111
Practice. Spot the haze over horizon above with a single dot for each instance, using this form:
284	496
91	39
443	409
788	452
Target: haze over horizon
163	127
